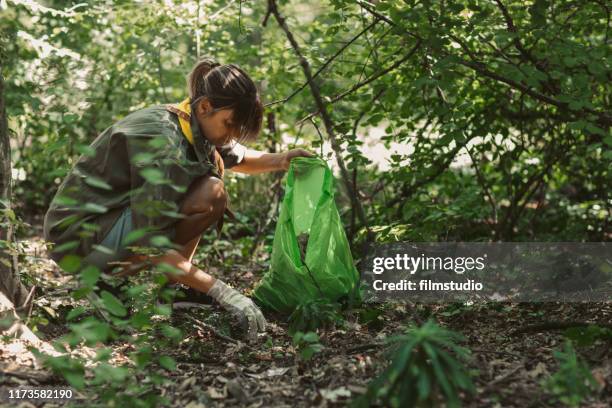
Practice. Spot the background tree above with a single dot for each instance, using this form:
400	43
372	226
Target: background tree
12	291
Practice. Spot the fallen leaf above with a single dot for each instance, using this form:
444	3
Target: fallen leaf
271	372
215	394
538	370
335	395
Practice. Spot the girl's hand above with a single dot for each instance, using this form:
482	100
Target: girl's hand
249	315
290	154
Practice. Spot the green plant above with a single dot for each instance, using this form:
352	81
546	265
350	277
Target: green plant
423	371
307	344
313	315
573	382
587	335
102	378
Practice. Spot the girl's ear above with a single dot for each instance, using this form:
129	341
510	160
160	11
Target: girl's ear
204	107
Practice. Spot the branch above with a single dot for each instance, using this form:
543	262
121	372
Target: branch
604	118
321	105
442	164
205	326
483	185
367	81
516	41
325	64
361	115
386	19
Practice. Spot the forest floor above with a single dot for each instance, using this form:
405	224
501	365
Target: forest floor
508	367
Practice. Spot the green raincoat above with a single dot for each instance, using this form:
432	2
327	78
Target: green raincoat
144	161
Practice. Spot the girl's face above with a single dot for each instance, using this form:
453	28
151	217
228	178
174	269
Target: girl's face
215	126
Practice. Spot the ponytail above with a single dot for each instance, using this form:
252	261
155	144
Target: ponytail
196	78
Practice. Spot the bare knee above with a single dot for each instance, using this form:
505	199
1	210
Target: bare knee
206	195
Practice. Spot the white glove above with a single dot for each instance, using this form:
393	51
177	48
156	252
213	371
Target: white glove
241	306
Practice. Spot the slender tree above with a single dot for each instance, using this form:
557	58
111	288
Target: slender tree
10	285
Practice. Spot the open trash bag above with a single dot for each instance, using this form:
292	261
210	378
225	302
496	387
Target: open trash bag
311	257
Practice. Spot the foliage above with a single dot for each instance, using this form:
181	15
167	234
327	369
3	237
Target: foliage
422	370
574	381
494	116
489	109
586	336
313	315
307	344
101	377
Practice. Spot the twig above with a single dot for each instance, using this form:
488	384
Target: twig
321	138
504	377
240	16
329	61
441	165
516	41
603	117
364	347
385	19
264	22
216	332
42	379
366	81
483	185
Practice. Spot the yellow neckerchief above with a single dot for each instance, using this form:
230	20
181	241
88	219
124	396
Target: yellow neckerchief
185	107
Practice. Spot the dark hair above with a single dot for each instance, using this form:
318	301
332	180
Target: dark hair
228	86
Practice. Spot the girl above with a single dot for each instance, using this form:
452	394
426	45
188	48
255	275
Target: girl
156	176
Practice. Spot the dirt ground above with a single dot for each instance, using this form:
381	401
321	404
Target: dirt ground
511	350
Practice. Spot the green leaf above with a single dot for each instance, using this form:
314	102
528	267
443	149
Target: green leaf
575	105
75	378
65	201
90	275
112	304
153	175
134	236
143	158
171	332
106	373
66	246
70	117
103	354
70	263
163	310
168	363
95	208
161	241
140	320
97	183
86	150
76	312
307	353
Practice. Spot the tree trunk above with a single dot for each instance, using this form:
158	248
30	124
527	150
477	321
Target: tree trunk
10	285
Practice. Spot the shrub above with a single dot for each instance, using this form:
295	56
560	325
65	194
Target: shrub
423	370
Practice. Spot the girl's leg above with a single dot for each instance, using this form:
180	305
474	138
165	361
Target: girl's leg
190	248
203	206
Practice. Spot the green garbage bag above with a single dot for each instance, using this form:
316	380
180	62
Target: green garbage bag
311	257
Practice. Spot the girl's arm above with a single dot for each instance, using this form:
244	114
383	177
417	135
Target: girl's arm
256	161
